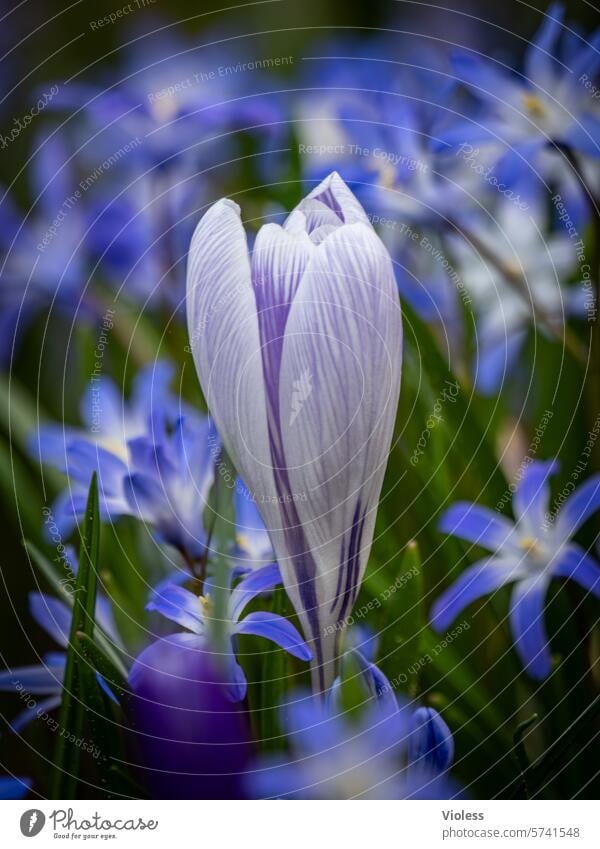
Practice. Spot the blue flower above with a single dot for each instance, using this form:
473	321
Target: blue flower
543	260
430	741
46	679
528	552
337	756
194	742
43	256
168	483
253	546
196	613
546	103
152	462
430	745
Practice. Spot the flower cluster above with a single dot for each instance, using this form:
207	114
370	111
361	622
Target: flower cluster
273	334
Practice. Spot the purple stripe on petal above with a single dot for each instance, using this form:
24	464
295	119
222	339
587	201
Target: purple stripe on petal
344	332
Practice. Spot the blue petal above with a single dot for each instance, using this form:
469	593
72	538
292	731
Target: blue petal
259	581
527	625
539	59
485	576
102	406
179	606
14	788
251	534
584	135
49	444
495	358
431	745
52	615
578	507
575	564
104	686
38	680
277	629
84	458
530	502
477	524
30	714
145	495
487	80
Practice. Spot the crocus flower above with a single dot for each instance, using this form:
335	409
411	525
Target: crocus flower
298	350
194	742
195	613
529	553
46	678
334	756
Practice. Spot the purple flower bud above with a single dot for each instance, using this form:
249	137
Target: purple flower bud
194	742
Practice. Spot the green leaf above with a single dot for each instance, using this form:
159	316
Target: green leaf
65	588
73	709
102	664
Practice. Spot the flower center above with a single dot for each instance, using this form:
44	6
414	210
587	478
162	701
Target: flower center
206	604
534	106
532	546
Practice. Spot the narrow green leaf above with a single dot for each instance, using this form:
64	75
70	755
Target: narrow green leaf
102	663
72	709
65	588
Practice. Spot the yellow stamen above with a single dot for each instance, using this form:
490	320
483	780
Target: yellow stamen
534	105
530	545
205	604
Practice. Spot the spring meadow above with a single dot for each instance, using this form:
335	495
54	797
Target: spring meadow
300	415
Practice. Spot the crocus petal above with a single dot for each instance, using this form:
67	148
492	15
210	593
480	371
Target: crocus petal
275	628
431	745
334	195
224	337
578	508
576	564
52	615
344	330
484	577
477	524
527	625
179	606
530	501
259	581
